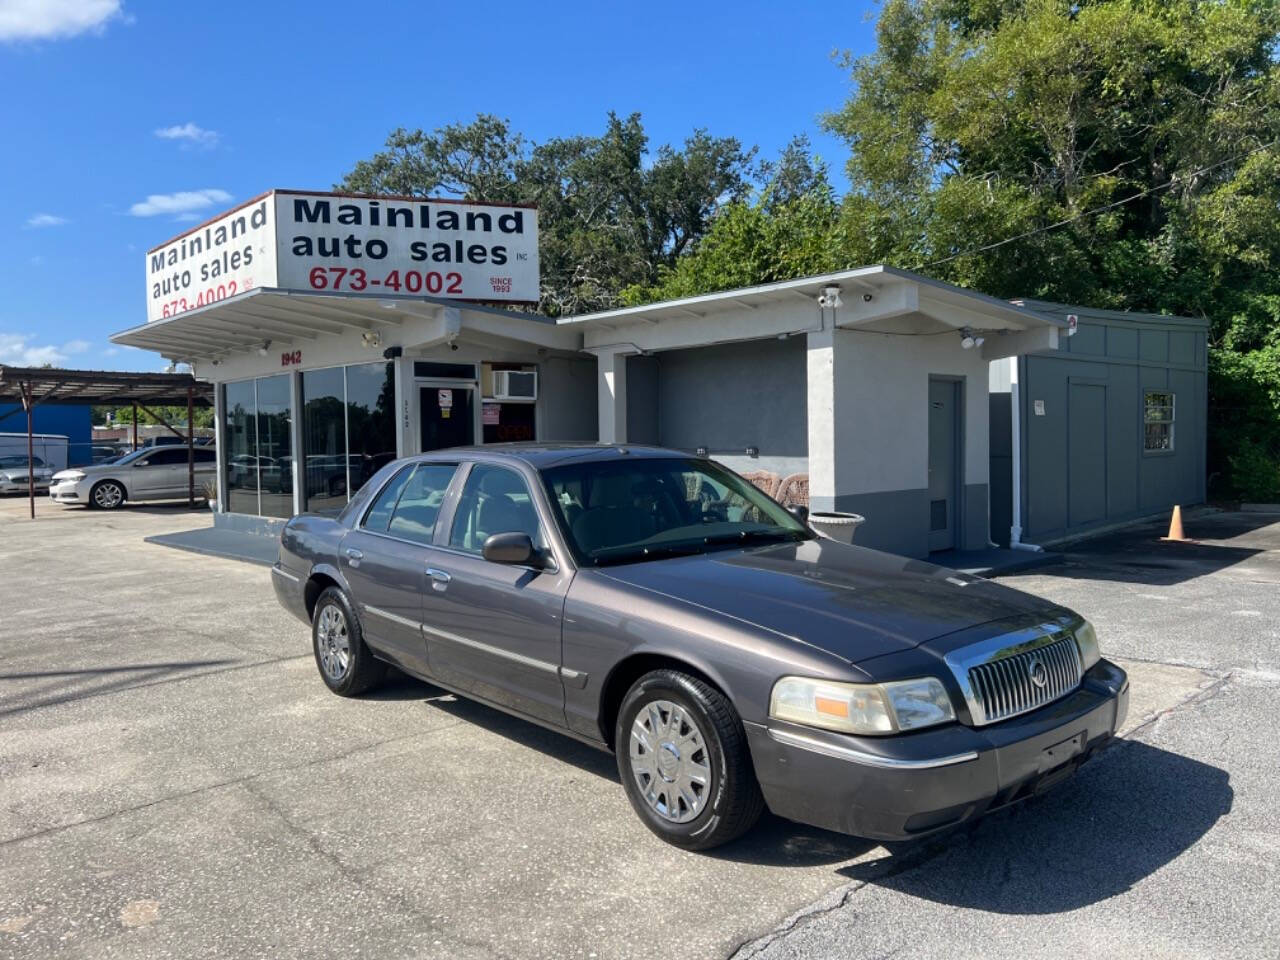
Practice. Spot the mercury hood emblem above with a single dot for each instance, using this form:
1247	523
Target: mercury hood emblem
1036	671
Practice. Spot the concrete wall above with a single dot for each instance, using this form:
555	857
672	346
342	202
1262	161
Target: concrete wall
880	468
1083	460
726	398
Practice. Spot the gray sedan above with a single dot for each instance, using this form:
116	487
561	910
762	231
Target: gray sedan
152	473
659	606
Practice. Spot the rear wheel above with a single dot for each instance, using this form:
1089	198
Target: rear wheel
346	664
107	495
683	758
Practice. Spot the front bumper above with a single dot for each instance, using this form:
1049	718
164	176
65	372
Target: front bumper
67	491
895	788
20	486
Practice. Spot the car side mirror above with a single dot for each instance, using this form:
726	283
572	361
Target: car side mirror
511	548
799	511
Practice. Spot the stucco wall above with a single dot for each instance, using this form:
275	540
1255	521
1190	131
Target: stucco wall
879	388
726	398
567	398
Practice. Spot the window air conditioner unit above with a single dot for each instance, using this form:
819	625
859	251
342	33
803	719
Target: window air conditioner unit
515	385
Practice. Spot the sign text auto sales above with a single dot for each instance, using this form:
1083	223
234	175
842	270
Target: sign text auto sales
346	244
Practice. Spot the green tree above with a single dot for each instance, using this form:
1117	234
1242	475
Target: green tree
611	213
1120	153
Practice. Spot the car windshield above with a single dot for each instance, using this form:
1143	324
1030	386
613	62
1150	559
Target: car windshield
638	508
19	461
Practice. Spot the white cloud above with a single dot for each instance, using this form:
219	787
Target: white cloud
189	135
19	350
76	346
184	201
54	19
45	220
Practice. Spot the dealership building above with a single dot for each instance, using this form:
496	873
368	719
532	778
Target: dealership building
344	331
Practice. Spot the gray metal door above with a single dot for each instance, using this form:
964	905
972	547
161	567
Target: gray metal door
944	445
1086	453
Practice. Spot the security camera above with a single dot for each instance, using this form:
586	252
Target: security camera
830	297
453	346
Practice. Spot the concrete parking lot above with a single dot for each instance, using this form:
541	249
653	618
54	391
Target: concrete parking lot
177	782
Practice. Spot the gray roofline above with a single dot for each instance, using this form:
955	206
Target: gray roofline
1051	308
768	289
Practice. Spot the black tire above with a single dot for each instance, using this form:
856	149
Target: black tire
731	802
362	670
100	496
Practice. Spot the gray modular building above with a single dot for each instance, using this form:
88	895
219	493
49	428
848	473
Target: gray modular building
1109	427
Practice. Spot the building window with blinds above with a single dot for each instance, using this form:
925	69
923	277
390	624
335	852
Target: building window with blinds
1158	409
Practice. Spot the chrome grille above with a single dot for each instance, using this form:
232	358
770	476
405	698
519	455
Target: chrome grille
1015	684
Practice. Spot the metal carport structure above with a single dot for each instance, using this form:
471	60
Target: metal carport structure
32	386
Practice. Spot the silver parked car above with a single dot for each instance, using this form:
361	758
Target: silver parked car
152	473
14	473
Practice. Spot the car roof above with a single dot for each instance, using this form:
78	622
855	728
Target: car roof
541	455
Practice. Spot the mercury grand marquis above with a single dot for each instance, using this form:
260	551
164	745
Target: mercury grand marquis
659	606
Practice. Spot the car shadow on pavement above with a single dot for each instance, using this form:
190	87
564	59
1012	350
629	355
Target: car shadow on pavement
1124	816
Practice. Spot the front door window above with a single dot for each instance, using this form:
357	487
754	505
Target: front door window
448	417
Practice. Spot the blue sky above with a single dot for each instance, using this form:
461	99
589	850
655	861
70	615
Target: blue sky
120	118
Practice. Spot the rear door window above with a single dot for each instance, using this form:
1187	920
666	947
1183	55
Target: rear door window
415	514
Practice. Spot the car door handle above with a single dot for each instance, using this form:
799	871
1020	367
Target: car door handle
439	579
354	556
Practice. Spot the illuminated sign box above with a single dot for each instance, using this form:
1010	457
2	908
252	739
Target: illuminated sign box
341	243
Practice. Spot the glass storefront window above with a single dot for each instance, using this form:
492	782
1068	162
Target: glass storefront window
371	420
240	439
259	468
348	435
275	459
324	440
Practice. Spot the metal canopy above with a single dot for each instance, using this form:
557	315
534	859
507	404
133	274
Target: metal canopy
102	387
250	319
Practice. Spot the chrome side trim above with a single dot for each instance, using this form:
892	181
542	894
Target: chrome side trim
394	618
867	759
492	651
281	572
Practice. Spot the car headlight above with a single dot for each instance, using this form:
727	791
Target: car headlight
1087	642
862	708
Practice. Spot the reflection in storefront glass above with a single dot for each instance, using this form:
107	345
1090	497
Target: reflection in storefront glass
275	463
240	436
371	422
324	440
259	477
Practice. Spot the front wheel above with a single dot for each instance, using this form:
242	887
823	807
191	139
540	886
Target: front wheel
346	664
683	759
107	495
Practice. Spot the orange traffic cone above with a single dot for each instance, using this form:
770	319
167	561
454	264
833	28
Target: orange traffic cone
1175	527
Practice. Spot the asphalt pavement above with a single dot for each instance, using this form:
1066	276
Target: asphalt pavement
178	783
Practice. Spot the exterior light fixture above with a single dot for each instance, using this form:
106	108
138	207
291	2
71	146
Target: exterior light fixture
371	339
262	350
969	340
830	297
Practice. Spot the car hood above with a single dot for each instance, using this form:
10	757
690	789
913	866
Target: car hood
75	471
849	601
20	473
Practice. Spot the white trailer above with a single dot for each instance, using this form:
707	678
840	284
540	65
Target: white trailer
49	447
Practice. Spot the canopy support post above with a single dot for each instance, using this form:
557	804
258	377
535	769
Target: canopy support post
135	425
191	448
27	404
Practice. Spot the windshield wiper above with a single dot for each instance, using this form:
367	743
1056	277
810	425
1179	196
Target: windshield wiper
753	536
650	553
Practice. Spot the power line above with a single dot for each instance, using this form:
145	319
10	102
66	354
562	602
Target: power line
1105	207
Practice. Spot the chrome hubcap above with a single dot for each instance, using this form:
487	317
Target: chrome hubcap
332	643
107	495
669	761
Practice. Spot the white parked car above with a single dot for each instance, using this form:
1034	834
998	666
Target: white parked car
152	473
14	474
